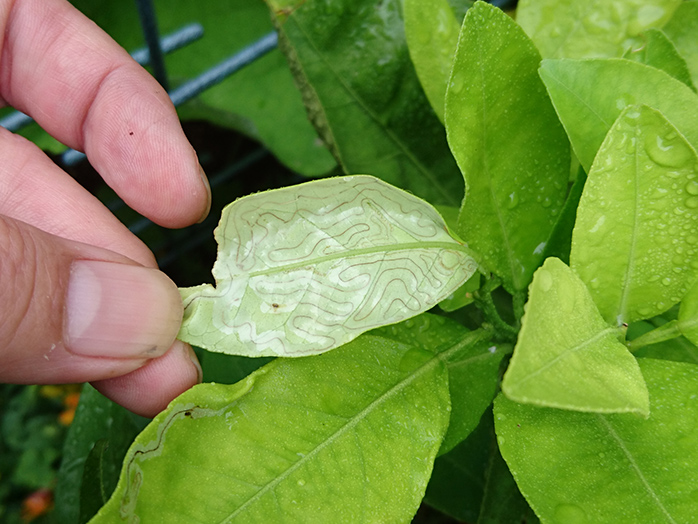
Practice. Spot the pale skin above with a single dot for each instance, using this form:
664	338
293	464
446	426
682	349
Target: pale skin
85	90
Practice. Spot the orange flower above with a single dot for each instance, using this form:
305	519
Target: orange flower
38	503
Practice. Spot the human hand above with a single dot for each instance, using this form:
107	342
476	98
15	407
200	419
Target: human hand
82	298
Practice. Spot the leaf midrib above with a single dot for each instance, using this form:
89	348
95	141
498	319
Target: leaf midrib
622	311
441	357
579	347
358	252
636	467
448	195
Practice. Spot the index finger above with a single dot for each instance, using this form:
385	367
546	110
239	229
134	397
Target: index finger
85	90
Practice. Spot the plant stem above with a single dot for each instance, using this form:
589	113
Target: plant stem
664	332
519	300
484	301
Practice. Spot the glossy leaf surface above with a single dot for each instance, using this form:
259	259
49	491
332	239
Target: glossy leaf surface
656	50
97	420
299	440
621	469
682	30
431	29
473	367
566	356
590	28
457	482
351	61
462	296
503	502
515	184
560	241
304	269
634	243
590	94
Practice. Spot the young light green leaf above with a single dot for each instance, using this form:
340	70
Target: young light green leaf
307	268
431	30
351	62
656	50
620	469
634	243
462	296
567	356
682	30
590	28
515	186
297	441
473	367
590	94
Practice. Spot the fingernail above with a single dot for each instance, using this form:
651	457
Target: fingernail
204	179
120	311
195	360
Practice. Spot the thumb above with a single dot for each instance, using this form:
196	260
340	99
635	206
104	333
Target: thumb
75	313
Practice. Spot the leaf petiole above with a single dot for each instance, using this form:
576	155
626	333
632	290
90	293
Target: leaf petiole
485	302
664	332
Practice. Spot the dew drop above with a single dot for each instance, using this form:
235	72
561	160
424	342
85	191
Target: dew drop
513	200
645	312
692	202
666	281
692	188
667	152
301	482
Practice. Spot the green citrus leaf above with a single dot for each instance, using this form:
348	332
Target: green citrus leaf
297	441
590	94
462	296
567	356
620	469
97	420
431	30
351	62
656	50
634	243
682	30
590	28
307	268
473	367
515	186
456	486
